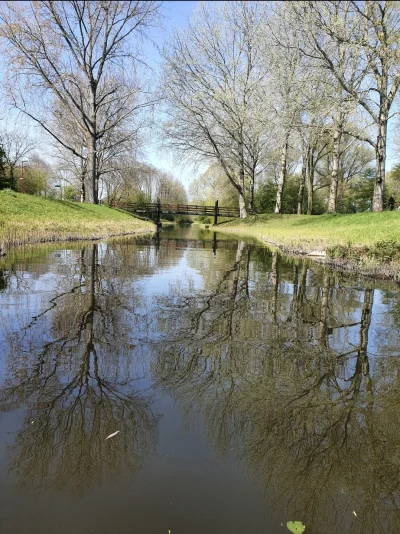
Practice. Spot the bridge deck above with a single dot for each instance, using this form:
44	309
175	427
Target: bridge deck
177	209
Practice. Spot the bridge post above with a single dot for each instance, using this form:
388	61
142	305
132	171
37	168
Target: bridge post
158	216
216	213
158	239
215	243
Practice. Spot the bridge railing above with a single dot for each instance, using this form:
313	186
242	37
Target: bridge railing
178	209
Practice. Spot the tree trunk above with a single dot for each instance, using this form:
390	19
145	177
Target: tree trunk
274	284
380	152
302	183
310	182
89	323
251	192
92	163
12	179
366	319
242	200
282	176
83	190
364	332
333	192
242	204
324	313
362	363
92	147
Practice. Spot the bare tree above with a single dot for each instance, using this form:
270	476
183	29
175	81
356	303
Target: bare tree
133	181
169	189
112	150
211	186
285	88
78	54
211	77
72	154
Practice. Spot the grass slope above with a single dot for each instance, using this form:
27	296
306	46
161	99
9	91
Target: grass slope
309	232
29	219
368	241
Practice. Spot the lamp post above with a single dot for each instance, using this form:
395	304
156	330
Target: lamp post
22	175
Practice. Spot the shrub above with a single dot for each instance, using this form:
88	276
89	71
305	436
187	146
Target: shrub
337	252
345	252
385	250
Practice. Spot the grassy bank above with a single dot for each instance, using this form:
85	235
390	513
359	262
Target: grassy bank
369	242
29	219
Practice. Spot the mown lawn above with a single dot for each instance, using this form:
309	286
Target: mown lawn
30	219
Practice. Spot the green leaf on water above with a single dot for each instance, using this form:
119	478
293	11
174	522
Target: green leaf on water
296	527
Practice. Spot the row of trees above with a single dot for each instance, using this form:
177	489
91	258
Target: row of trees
275	97
256	87
23	169
140	182
354	193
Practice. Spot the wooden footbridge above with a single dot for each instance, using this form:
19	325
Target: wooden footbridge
158	209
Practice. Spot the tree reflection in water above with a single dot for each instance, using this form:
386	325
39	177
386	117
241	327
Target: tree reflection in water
276	360
281	359
77	387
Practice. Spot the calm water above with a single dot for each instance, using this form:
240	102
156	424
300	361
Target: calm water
247	389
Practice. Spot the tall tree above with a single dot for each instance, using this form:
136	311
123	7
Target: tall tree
79	55
212	73
285	88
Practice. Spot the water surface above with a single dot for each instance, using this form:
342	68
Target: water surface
247	389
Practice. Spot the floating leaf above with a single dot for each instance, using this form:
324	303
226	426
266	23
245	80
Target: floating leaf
113	434
296	527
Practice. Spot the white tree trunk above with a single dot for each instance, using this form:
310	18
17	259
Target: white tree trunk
310	182
282	176
82	191
242	204
302	183
380	151
337	136
251	192
242	200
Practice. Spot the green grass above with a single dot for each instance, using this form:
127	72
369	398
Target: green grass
30	219
310	232
367	243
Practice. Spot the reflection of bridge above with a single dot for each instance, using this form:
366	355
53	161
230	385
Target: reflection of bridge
158	209
182	243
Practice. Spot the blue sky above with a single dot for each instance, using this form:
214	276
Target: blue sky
176	15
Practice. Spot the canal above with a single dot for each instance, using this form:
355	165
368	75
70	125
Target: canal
191	383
